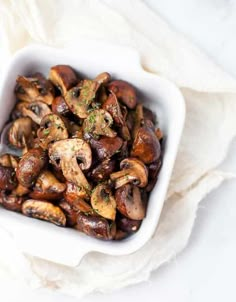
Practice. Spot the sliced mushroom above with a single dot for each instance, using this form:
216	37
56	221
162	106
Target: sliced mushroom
73	193
146	145
132	171
21	133
44	210
8	160
103	170
20	191
153	171
63	77
70	213
138	119
30	166
106	147
113	107
99	123
18	110
52	129
60	107
66	154
35	88
128	225
95	226
11	202
103	202
8	179
129	202
124	92
36	111
47	187
80	97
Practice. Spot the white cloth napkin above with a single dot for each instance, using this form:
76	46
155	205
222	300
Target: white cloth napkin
210	96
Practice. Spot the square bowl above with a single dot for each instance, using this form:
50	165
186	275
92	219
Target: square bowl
68	246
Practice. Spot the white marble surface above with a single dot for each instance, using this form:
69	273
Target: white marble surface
205	271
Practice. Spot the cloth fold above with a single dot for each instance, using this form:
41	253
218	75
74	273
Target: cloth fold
210	126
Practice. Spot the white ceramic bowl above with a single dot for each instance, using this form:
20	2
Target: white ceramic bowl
68	246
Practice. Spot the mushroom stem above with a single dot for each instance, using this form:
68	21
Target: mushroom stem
122	177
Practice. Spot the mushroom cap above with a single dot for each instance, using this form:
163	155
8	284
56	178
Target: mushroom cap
20	133
36	111
60	107
8	179
112	106
106	147
30	166
128	225
103	202
99	122
125	92
52	128
129	202
146	145
70	213
11	202
71	148
103	170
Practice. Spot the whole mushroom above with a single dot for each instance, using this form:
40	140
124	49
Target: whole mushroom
132	171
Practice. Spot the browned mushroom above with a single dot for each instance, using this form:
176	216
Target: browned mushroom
44	210
70	213
124	92
99	123
8	179
36	111
63	77
128	225
52	129
120	235
35	88
60	107
66	154
30	166
132	171
113	107
8	160
146	145
73	192
106	147
80	97
129	202
20	191
153	171
103	202
18	110
103	170
95	226
21	133
47	187
11	202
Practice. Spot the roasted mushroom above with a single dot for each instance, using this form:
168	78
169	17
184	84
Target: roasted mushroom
106	147
153	171
103	170
124	92
11	202
146	145
8	179
103	202
63	77
99	123
30	166
113	107
60	107
132	171
79	98
36	111
21	133
129	202
73	192
128	225
35	88
70	213
44	210
18	110
66	154
95	226
8	160
52	129
47	187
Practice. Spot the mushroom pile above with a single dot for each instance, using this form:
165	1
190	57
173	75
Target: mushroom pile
91	154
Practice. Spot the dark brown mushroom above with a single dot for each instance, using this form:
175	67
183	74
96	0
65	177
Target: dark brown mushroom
103	170
47	187
132	171
21	133
128	225
74	192
8	179
129	202
30	166
113	107
66	154
99	122
146	145
95	226
8	160
120	235
80	97
124	92
52	129
36	111
35	88
60	107
103	202
20	191
11	202
44	210
18	110
70	213
63	77
153	172
106	147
